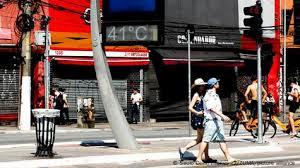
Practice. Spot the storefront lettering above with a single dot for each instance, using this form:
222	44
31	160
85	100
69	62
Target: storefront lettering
181	39
59	52
136	54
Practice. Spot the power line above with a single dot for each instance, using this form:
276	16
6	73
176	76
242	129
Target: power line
59	7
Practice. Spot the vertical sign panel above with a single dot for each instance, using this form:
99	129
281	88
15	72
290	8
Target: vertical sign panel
116	6
297	21
133	22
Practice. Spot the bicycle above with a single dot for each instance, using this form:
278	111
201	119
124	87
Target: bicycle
251	126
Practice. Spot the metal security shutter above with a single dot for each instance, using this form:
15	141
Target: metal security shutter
89	88
9	89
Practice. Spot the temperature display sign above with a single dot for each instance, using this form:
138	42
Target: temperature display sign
131	33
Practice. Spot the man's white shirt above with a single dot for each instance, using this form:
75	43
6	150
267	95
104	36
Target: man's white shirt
136	98
212	101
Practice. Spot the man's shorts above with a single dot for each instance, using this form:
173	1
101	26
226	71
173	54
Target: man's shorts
213	131
293	107
253	108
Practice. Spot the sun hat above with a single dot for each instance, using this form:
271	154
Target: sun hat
212	81
199	81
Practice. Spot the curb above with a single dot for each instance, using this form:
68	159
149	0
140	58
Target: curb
140	140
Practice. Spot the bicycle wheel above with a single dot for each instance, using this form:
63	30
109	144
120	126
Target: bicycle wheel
254	132
234	128
270	129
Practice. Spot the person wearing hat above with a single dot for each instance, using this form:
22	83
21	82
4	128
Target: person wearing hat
213	121
198	91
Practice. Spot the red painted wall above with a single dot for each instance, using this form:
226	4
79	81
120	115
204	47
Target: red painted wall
8	15
250	44
273	77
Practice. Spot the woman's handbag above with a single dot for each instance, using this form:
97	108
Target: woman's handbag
197	120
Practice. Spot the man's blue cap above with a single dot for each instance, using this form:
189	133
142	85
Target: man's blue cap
212	81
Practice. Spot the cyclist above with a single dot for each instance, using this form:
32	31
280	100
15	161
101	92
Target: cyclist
241	106
251	98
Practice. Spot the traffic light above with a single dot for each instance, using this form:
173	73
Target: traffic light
255	21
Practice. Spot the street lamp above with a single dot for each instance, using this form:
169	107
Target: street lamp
190	31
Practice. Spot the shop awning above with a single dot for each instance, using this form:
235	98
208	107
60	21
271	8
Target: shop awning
203	58
89	61
114	58
215	63
196	55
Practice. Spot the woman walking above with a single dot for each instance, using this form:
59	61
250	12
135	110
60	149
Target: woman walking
196	108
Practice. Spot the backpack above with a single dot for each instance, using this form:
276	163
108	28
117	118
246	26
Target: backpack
59	102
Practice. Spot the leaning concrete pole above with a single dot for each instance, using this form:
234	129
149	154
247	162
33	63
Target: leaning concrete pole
24	121
112	107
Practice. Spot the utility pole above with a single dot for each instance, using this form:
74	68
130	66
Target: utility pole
284	62
190	32
256	32
47	67
259	94
189	76
259	83
25	117
112	107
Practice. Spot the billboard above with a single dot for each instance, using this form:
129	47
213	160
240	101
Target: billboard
134	22
68	27
216	23
133	10
71	32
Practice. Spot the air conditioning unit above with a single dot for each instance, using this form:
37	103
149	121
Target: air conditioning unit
40	37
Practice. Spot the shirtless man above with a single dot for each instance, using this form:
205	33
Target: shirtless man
251	97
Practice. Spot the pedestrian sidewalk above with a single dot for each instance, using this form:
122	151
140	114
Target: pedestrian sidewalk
103	126
151	150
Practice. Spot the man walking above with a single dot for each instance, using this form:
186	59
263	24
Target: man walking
65	110
136	98
213	121
61	104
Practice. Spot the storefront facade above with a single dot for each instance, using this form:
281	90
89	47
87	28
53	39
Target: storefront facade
214	51
72	64
77	76
217	43
159	72
9	67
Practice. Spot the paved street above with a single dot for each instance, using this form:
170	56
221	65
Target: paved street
158	148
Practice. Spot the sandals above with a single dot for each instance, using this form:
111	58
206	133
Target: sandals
234	162
209	160
295	135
